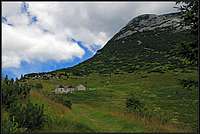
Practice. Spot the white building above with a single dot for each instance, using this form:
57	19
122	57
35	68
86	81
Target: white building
68	89
80	87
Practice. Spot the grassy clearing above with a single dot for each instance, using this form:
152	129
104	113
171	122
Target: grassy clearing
102	107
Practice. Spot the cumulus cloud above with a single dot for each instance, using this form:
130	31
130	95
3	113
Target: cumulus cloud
29	43
92	23
90	20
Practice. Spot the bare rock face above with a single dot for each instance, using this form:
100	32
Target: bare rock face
148	22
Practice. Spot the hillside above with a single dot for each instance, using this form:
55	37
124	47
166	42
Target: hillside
145	43
140	60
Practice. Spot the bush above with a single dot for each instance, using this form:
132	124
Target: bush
61	99
9	126
30	116
38	86
67	103
133	104
27	116
13	91
189	83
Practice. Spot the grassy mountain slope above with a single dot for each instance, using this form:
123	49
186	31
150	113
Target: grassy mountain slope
142	50
102	107
139	59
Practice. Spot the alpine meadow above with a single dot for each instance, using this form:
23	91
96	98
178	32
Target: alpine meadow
144	79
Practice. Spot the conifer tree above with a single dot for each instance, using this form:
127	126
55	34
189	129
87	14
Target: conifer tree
190	15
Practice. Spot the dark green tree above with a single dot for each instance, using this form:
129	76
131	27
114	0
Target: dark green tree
9	126
12	81
6	79
189	50
22	77
133	104
30	116
189	10
12	91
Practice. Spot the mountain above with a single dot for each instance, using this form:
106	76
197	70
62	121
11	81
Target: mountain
145	43
138	62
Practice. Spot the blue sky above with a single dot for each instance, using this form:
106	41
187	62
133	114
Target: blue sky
44	66
45	36
37	66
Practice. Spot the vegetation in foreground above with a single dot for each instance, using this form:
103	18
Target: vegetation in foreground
145	97
134	102
19	114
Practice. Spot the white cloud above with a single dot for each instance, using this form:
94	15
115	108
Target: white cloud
85	21
29	43
93	23
10	8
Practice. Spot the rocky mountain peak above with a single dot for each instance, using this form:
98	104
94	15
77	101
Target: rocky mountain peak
148	22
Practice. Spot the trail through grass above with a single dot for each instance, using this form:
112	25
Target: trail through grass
102	107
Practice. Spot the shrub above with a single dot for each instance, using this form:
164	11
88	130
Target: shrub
9	126
27	116
67	103
133	104
188	83
61	99
13	91
30	116
64	101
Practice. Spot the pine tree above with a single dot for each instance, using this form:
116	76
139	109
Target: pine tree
21	77
189	10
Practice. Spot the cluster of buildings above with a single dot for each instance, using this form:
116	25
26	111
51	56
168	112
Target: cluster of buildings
68	89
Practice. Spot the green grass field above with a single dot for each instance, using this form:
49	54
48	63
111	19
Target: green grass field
102	107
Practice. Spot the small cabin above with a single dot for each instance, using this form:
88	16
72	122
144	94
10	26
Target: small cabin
80	87
68	89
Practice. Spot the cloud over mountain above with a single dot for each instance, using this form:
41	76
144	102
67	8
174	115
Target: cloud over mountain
42	31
